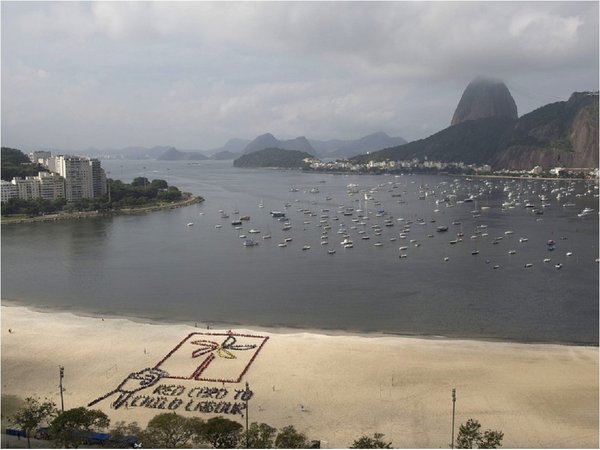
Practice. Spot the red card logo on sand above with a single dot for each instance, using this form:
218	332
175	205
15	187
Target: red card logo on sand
223	357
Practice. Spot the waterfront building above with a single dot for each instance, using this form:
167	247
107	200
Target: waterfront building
84	177
52	186
27	188
8	190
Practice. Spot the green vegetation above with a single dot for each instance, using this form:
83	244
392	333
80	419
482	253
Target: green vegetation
33	415
141	192
288	437
273	157
69	428
259	436
221	433
470	436
14	163
371	442
491	140
472	142
170	430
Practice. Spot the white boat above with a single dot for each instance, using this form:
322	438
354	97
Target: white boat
585	212
191	224
253	231
282	244
306	247
267	236
331	251
250	243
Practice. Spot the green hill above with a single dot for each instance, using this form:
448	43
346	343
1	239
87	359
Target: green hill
16	164
558	134
273	157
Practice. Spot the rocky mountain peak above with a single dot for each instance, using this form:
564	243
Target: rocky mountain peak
485	97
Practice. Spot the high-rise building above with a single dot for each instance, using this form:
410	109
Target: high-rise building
79	174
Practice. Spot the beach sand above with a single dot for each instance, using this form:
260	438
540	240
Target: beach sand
334	388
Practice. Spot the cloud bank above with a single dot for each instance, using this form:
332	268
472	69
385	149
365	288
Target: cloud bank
194	74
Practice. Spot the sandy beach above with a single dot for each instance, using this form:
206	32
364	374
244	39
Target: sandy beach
334	388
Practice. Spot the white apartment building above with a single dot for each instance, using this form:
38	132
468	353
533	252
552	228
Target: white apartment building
71	177
84	177
49	186
8	190
52	186
39	156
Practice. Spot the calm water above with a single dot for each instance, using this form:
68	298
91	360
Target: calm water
155	266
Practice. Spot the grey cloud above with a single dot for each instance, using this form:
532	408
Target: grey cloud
194	74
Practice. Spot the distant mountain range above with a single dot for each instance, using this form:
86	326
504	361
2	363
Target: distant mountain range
233	148
335	148
485	129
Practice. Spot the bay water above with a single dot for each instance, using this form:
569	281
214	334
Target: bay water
158	266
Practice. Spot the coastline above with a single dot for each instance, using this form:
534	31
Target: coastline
333	387
191	200
284	329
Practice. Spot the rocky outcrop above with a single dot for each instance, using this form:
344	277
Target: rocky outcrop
561	134
485	98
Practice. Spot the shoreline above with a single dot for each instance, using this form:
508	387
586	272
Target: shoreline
332	388
191	200
277	329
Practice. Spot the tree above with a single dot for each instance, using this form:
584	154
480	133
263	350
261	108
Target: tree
374	442
288	437
159	184
123	435
170	430
259	435
33	414
71	427
221	432
490	439
140	182
470	436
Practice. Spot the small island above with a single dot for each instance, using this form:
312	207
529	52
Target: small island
274	157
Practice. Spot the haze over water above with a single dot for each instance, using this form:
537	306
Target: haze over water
155	266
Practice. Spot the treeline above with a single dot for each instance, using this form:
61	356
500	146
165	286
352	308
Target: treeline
14	163
82	426
140	192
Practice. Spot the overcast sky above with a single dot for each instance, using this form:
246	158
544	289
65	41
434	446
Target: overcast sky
195	74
